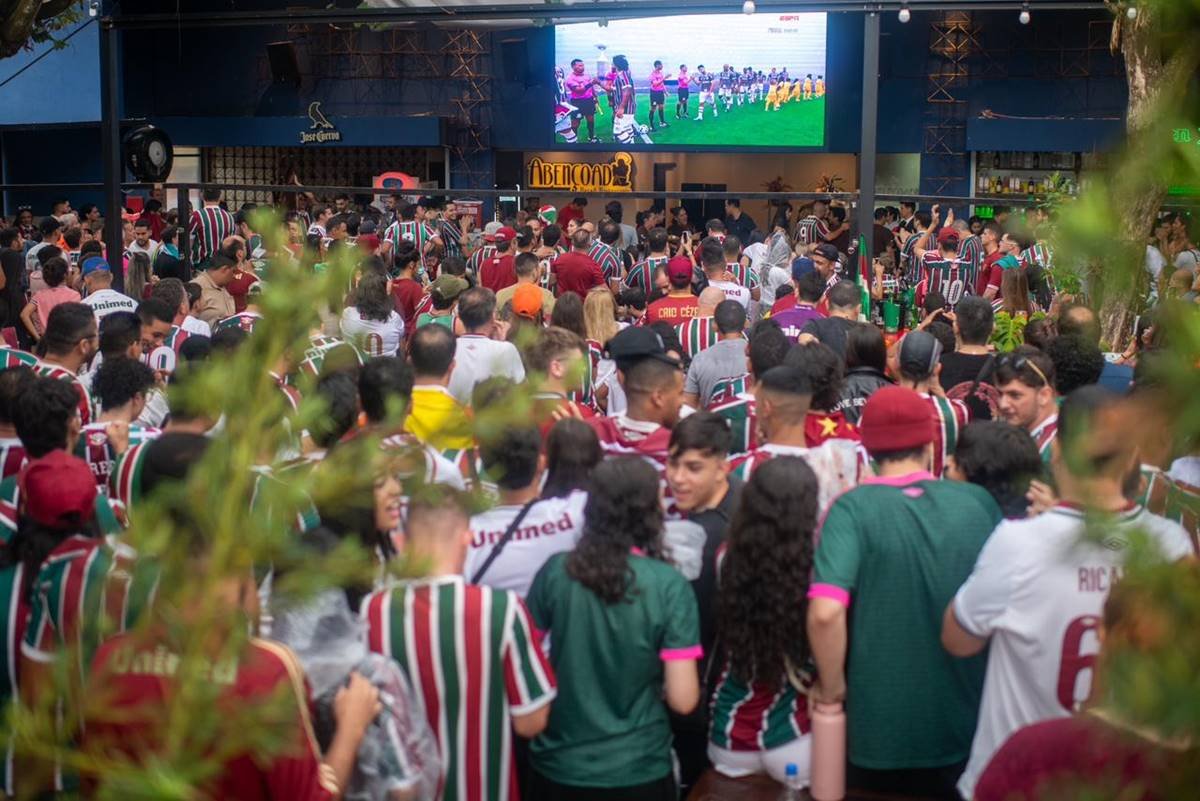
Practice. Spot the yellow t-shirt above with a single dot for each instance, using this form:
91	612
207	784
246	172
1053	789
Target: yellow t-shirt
437	419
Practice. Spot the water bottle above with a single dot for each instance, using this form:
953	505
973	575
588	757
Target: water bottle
828	753
792	783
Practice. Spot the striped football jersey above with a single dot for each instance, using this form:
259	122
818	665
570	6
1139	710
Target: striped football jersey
473	657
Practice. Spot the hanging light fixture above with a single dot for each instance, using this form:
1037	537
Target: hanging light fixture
748	7
1024	16
905	15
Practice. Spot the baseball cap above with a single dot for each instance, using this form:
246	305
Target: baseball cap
489	230
447	287
679	267
368	241
367	227
527	301
504	234
58	490
92	264
826	251
947	236
802	267
548	214
920	352
632	345
895	419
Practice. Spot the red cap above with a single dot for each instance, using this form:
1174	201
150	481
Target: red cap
368	241
679	267
948	236
58	490
895	419
505	234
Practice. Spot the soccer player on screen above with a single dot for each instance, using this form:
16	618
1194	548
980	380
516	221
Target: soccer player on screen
681	93
820	86
808	87
581	93
704	80
658	95
782	92
772	95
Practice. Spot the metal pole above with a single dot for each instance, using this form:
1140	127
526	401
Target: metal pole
110	149
864	220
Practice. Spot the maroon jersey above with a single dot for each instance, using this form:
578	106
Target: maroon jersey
136	678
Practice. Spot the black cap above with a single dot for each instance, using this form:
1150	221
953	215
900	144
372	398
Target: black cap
827	251
920	352
636	343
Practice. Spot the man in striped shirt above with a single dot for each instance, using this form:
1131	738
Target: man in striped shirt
121	386
424	236
641	275
941	268
814	229
72	338
920	370
1025	379
470	652
209	227
742	274
700	332
604	252
84	591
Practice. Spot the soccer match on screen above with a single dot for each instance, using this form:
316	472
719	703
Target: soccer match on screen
726	80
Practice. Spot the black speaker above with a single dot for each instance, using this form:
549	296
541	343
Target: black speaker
514	58
148	153
285	67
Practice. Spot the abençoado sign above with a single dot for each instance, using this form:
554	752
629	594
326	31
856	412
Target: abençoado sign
615	175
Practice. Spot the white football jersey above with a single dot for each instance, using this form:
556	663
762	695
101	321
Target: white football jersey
373	337
550	526
733	291
1038	591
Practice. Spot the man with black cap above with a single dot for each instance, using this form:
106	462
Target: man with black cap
920	371
652	381
893	551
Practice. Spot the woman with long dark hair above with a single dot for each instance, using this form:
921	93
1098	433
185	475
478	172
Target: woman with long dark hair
759	720
624	638
866	369
371	321
572	453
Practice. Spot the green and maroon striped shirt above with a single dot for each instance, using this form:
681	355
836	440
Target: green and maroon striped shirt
14	615
85	592
697	334
475	660
208	228
641	275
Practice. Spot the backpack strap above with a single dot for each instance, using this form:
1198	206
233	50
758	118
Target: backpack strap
504	540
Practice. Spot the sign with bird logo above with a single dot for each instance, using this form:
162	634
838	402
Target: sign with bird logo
321	129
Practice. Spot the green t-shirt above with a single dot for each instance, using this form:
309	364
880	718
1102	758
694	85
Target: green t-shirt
896	550
608	725
441	319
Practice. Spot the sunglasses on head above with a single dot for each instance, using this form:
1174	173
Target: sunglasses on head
1019	362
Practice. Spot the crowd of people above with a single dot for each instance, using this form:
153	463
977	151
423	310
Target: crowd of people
728	481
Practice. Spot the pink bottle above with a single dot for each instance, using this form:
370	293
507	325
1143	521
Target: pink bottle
828	753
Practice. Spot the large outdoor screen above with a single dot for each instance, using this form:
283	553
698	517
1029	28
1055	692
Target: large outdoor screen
728	80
